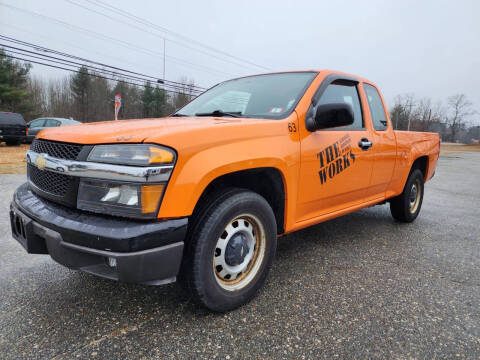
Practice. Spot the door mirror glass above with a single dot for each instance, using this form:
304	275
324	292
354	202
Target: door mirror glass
331	115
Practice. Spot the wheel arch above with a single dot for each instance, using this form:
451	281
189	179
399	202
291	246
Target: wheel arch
268	182
420	163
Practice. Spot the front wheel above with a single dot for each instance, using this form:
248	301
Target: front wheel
406	206
230	249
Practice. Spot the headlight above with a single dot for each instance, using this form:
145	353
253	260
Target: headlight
132	154
120	199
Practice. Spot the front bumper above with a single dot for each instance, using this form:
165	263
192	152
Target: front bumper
141	252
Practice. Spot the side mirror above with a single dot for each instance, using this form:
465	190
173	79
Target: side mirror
329	116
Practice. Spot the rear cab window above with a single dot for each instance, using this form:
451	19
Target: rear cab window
377	111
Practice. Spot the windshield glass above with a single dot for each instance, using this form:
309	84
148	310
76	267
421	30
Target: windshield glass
272	96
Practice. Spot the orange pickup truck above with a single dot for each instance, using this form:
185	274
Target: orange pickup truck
202	195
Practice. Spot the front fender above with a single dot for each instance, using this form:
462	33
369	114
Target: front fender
195	172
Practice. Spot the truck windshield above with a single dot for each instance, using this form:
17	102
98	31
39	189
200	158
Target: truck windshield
271	96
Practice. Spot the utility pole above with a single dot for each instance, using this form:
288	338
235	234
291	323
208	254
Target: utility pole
410	114
164	55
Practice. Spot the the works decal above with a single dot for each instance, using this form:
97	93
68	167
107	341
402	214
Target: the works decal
335	158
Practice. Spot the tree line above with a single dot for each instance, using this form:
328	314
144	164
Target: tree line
84	96
87	97
453	120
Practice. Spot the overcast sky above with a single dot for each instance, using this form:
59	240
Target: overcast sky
429	48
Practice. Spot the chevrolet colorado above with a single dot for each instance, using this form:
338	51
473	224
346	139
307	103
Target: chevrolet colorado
202	195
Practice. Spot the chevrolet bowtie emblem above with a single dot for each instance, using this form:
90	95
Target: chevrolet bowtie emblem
41	162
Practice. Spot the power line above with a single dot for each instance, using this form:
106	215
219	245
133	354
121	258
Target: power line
78	71
145	22
71	45
39	47
96	71
67	62
165	30
89	50
119	42
62	61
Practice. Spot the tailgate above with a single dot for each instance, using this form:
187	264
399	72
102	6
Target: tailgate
18	130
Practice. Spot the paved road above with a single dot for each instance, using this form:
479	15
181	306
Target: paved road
361	286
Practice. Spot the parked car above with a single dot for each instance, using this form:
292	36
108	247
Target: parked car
13	128
203	194
36	125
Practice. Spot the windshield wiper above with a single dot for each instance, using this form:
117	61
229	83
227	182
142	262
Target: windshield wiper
177	114
221	113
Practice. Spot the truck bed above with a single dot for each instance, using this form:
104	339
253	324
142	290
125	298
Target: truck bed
412	145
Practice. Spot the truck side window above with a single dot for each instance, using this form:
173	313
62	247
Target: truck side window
343	92
375	104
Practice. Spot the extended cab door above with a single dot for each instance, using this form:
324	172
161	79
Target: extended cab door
336	164
384	146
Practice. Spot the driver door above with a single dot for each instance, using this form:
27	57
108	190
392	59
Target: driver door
335	171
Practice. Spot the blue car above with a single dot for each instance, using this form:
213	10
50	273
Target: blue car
36	125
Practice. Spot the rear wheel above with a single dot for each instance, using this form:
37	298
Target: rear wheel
406	206
230	249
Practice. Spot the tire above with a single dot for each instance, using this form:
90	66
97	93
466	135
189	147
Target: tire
12	142
407	205
230	249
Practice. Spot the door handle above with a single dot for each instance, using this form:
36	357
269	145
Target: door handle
365	144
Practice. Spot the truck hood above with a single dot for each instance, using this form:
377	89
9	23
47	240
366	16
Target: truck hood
176	132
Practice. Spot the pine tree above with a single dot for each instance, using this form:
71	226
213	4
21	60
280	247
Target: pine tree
154	101
14	94
147	100
159	101
80	86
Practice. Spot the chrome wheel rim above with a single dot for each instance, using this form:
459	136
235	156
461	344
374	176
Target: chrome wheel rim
239	252
414	197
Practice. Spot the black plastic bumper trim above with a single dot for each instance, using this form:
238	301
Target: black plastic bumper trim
153	266
97	231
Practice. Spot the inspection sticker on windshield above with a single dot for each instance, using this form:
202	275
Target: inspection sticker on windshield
276	110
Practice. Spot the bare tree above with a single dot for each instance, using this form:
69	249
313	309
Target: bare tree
184	94
402	111
36	88
59	98
460	108
425	115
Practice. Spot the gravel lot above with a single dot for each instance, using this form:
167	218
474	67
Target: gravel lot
361	286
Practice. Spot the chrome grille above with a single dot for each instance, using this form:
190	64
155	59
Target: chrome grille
56	149
50	182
